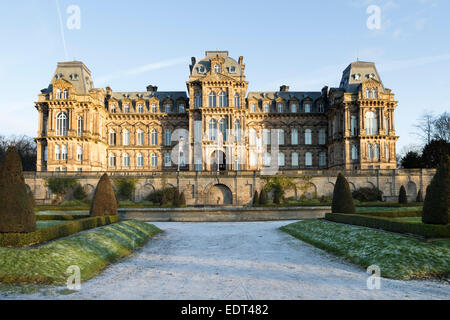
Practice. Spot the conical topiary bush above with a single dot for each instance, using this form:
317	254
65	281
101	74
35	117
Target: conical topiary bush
419	197
182	200
436	206
16	209
104	202
342	197
255	202
263	198
402	198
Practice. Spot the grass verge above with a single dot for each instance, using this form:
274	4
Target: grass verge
399	257
91	251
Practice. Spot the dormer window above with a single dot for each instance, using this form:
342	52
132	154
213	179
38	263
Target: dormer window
66	94
126	108
181	108
233	69
140	108
280	108
154	108
321	109
58	94
201	69
357	77
266	108
168	108
217	68
307	107
293	108
112	108
74	77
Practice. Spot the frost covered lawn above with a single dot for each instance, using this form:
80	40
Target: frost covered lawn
399	257
385	209
46	224
92	251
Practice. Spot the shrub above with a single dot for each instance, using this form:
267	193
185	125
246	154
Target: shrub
182	200
402	198
419	197
163	196
436	206
368	194
60	217
125	189
60	186
164	199
20	240
31	197
263	198
16	208
104	201
420	229
342	197
255	201
176	199
79	193
277	194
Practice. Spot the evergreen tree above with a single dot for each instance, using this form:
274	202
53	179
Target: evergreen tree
437	200
255	199
402	198
419	197
342	197
263	197
104	201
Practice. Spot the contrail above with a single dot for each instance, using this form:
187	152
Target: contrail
142	69
62	29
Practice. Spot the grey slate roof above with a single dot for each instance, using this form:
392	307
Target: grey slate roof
300	95
160	95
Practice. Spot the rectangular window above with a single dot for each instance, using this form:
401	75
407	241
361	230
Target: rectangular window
168	137
267	137
294	137
322	137
252	108
167	160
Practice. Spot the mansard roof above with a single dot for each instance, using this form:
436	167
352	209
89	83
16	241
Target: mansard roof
299	95
160	95
356	73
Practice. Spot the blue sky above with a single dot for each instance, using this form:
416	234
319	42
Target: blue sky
304	44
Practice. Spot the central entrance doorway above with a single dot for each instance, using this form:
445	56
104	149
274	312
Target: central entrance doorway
218	160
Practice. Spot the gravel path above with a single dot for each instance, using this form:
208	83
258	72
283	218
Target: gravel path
238	261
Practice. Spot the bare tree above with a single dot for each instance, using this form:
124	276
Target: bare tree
425	127
442	127
26	148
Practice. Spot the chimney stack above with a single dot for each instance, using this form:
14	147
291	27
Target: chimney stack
152	88
284	88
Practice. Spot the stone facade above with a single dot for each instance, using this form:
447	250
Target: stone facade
237	187
216	125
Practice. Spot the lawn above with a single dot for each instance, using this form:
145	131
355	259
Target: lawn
399	257
92	251
385	209
409	219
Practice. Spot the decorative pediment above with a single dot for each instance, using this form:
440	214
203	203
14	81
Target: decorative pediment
371	83
217	77
62	84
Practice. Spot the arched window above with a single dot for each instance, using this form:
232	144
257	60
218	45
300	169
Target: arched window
354	126
80	126
355	152
294	158
66	94
307	107
281	159
223	127
253	159
237	101
62	124
212	130
168	137
294	137
57	152
154	158
212	99
140	160
198	100
79	153
369	151
387	153
112	160
308	159
308	137
237	130
267	159
168	108
322	159
64	152
371	123
126	160
140	137
58	94
376	151
266	108
223	99
217	68
322	137
126	108
154	137
280	108
293	108
280	137
112	138
252	137
126	137
140	108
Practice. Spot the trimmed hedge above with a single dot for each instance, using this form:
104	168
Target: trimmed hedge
423	230
21	240
60	217
389	204
393	214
